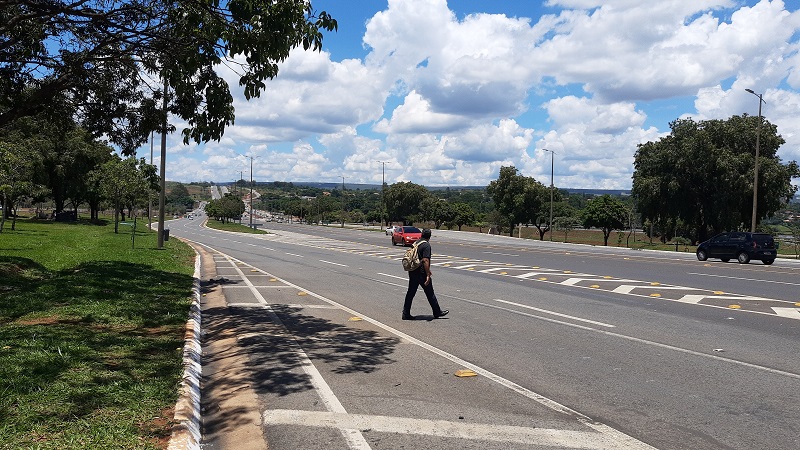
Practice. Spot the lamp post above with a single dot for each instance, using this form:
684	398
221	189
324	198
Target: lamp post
383	183
550	225
251	188
755	168
342	201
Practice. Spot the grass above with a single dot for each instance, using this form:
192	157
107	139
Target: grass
91	333
233	226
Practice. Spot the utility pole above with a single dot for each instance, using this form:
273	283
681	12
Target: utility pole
550	225
342	201
251	188
383	183
755	168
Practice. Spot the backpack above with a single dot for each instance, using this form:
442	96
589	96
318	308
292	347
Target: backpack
411	259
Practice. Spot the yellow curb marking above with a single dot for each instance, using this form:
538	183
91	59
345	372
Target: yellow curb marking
355	319
506	273
655	294
302	293
718	292
608	277
595	286
734	306
655	283
542	278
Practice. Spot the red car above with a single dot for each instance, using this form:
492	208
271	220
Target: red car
406	235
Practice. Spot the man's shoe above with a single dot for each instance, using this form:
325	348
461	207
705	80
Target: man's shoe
443	313
408	317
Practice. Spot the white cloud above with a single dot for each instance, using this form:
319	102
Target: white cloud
445	100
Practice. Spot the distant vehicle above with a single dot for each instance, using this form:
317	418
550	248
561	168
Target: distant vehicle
390	230
740	245
406	235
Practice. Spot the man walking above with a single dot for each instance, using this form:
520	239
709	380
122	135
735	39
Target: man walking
422	277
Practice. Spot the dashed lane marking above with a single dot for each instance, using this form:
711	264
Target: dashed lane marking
638	288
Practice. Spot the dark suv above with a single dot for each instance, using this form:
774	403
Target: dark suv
740	245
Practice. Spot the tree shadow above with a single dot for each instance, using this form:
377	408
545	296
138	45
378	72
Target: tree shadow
273	359
84	338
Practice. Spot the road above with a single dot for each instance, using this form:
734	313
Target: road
573	346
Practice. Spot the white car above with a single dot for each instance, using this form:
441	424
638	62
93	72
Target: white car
390	230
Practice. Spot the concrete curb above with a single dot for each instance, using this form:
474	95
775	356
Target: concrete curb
186	431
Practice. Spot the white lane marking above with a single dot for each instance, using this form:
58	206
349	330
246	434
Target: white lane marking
393	276
354	438
790	313
501	254
555	313
620	439
335	264
635	339
292	254
441	428
627	288
574	281
743	279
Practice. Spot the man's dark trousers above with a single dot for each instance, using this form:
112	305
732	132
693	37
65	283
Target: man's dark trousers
417	278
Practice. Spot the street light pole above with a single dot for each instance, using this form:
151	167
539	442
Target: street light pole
383	183
550	225
251	188
342	201
755	168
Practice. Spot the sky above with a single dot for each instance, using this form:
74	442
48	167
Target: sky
445	93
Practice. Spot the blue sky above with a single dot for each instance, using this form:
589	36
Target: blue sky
447	92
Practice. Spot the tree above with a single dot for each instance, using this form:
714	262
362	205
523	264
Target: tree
229	207
516	197
607	213
403	201
124	183
566	224
18	164
542	219
179	198
701	176
436	210
463	215
99	59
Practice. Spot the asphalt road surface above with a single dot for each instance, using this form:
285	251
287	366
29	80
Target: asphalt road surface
571	346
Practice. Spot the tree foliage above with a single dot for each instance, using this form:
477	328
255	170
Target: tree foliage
607	213
701	175
436	210
463	214
516	197
18	165
227	208
107	60
403	200
125	183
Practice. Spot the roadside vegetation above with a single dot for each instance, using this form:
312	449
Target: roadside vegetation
233	226
91	333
